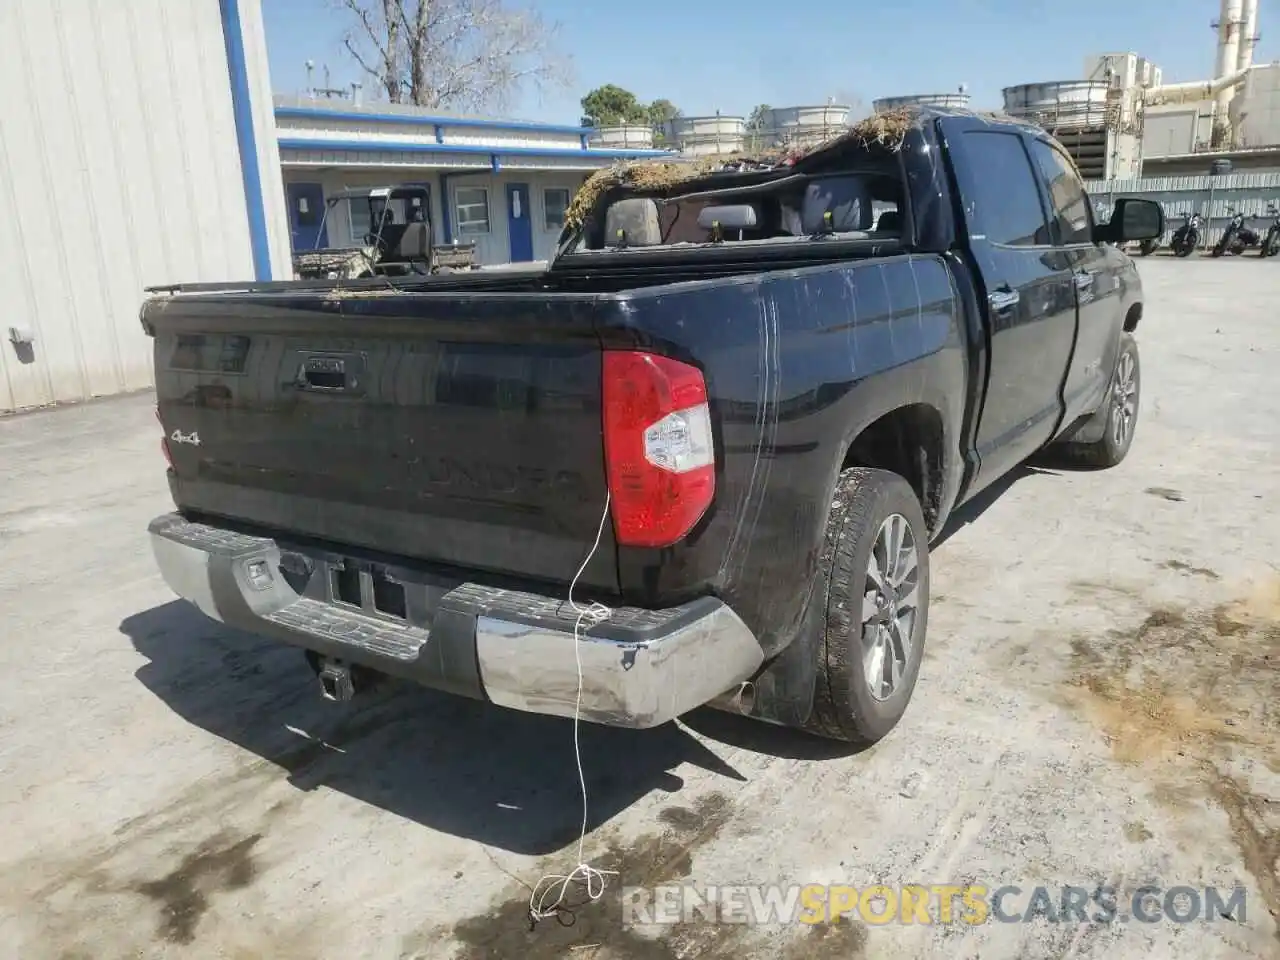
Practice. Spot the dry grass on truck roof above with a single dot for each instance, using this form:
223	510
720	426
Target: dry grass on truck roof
884	130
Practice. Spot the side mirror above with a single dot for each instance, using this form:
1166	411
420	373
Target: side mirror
1131	220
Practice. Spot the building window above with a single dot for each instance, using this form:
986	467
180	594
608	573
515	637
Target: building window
472	207
358	219
555	201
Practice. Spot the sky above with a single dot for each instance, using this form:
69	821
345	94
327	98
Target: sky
729	55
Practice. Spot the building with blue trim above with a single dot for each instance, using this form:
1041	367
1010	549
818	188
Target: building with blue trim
501	184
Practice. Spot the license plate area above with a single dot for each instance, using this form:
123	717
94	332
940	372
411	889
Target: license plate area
368	587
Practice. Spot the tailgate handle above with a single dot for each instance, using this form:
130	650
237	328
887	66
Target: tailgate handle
326	375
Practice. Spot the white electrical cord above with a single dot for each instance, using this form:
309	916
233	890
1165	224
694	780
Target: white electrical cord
541	903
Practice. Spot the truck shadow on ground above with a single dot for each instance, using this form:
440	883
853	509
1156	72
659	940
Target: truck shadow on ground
470	769
970	511
503	778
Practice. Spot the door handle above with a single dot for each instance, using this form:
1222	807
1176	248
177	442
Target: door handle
332	373
1005	299
1084	280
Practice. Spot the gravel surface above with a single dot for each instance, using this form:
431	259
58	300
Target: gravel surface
1100	703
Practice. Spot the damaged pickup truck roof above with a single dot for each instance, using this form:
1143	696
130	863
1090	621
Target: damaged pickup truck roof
881	132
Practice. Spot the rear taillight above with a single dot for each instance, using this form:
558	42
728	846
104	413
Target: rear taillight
164	441
658	447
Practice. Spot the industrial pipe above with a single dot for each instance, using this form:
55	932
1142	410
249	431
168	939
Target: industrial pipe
1194	90
1248	35
1229	22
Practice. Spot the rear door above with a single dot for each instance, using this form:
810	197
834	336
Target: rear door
1028	287
519	222
306	216
1096	276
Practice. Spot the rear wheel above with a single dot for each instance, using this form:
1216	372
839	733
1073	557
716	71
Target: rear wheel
875	570
1120	411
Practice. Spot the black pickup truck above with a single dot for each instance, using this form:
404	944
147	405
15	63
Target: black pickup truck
699	459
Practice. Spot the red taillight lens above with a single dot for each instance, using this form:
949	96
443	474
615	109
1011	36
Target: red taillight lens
164	441
658	447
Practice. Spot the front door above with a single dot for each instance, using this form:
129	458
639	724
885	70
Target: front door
1097	269
306	216
1029	290
519	222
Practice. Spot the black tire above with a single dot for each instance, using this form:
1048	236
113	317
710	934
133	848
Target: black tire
1110	450
1185	250
844	707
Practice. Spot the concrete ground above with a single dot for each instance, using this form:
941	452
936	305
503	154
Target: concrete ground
1100	703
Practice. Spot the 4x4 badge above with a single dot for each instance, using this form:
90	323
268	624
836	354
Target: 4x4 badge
192	438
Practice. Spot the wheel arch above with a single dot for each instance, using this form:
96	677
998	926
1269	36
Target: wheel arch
909	440
1133	317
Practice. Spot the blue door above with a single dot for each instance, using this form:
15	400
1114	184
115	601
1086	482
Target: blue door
306	216
519	222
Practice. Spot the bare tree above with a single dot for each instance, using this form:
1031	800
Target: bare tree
453	54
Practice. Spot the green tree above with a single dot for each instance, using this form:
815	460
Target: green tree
660	111
755	121
755	125
610	105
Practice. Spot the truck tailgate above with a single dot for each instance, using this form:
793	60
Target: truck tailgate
449	428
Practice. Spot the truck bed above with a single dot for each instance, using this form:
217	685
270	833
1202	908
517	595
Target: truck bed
465	427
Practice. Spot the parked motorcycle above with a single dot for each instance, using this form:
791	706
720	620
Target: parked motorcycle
1270	245
1187	237
1236	237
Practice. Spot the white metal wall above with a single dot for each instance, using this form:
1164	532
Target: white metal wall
119	168
1260	107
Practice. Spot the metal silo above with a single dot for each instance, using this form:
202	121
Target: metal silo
959	100
705	136
802	126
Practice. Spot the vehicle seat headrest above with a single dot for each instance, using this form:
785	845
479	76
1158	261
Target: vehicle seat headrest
637	217
890	222
848	199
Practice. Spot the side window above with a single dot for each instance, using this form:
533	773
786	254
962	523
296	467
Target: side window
307	214
1001	195
471	205
555	201
359	220
1067	196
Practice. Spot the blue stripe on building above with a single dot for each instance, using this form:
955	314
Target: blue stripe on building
242	108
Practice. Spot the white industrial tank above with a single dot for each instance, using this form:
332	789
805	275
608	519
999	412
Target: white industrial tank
636	136
957	100
802	126
1061	104
705	136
